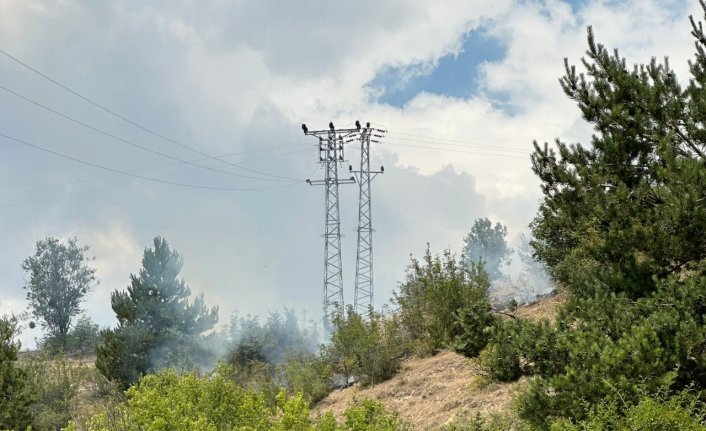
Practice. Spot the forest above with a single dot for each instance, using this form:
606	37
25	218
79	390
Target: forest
620	232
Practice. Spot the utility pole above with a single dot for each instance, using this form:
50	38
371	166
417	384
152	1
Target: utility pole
330	156
363	297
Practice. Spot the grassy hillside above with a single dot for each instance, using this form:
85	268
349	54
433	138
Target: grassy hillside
431	392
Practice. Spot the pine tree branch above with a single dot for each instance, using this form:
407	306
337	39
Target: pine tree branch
687	140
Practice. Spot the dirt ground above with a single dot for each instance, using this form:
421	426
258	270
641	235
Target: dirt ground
428	392
431	392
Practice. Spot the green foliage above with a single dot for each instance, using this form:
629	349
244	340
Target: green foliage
59	280
170	401
522	347
487	244
308	374
655	413
56	383
370	415
369	348
81	341
631	203
474	321
157	325
271	342
502	421
15	387
432	299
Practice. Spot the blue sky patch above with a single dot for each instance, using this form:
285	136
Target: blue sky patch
453	76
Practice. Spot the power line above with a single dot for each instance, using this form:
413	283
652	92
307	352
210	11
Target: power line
456	143
427	147
129	142
38	186
134	123
128	174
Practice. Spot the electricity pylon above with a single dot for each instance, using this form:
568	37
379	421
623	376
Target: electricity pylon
363	297
330	156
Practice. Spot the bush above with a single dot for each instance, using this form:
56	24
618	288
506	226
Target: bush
17	393
655	413
308	374
56	383
521	347
370	415
474	322
166	400
431	299
370	349
81	341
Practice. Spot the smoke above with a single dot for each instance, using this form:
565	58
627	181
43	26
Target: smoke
273	341
525	282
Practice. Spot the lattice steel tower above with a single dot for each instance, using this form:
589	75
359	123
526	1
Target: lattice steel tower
330	156
363	297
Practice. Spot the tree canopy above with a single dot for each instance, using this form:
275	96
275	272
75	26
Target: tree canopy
487	244
59	279
632	202
158	325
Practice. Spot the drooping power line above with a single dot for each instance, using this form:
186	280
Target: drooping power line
129	174
134	123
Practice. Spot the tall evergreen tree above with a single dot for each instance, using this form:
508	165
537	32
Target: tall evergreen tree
157	324
631	204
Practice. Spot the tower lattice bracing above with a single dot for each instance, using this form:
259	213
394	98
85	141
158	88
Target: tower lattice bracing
363	296
331	155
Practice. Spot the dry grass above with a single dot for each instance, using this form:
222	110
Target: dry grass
431	392
545	309
428	392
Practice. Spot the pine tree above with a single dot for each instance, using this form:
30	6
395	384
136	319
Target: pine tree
631	204
157	325
15	393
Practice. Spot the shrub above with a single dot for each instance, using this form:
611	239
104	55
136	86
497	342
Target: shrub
308	374
655	413
15	387
431	299
370	349
370	415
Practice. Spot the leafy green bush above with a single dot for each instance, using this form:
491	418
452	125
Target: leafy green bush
370	415
188	402
432	299
56	384
17	392
474	322
683	412
521	347
81	341
369	348
502	421
308	374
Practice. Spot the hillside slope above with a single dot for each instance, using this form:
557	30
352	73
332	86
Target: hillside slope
430	392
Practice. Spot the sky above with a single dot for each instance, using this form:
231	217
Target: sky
463	88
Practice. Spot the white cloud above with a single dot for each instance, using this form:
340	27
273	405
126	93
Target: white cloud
227	76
